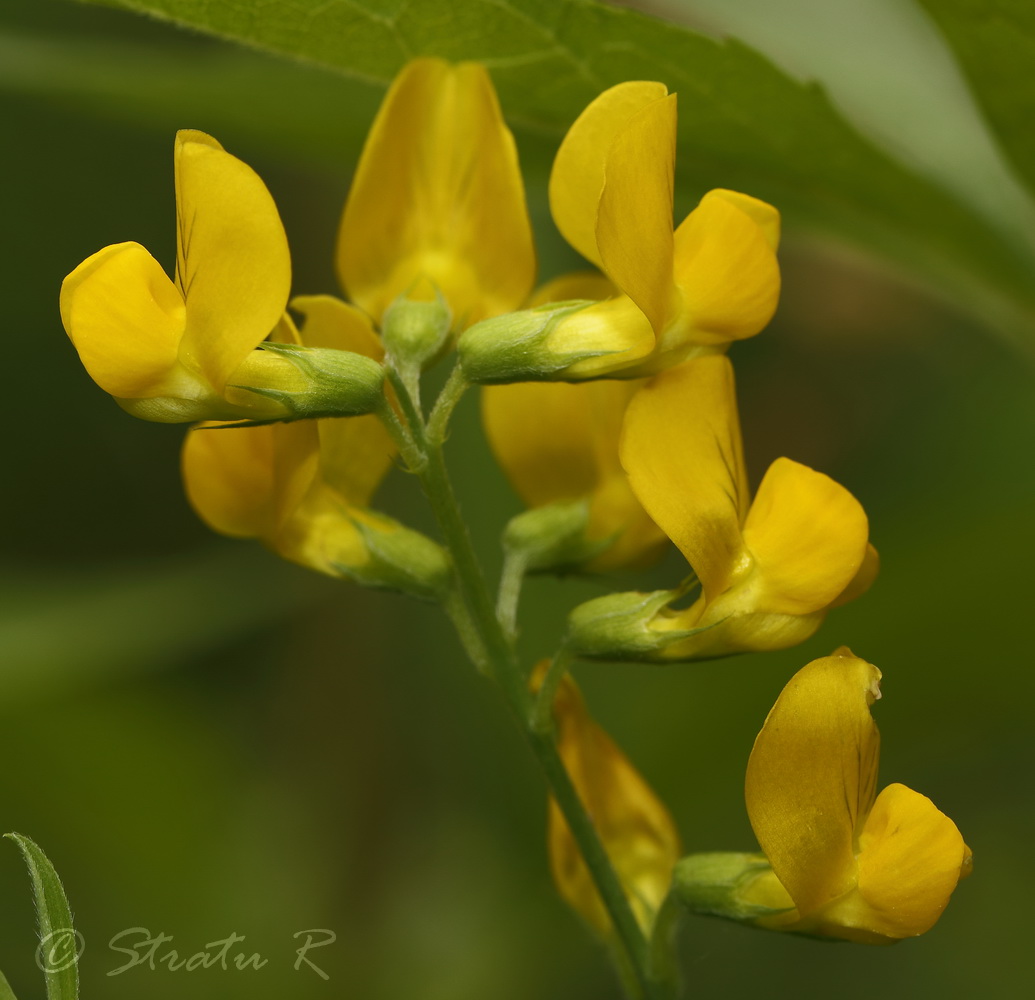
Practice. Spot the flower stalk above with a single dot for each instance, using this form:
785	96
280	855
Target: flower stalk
484	637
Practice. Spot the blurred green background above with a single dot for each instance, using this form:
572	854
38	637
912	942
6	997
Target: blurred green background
208	741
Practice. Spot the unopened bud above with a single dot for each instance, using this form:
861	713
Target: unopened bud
625	626
553	537
307	382
515	348
739	887
415	333
400	559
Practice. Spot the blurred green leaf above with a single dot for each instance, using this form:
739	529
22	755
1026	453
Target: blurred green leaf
742	122
59	633
6	993
143	83
995	43
59	948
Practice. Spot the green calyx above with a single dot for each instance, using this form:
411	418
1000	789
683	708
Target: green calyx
322	382
512	348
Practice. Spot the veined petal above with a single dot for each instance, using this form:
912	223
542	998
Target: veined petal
438	195
232	262
577	179
725	267
635	827
125	318
681	448
808	538
228	476
910	860
634	218
812	776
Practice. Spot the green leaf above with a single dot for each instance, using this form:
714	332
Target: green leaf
743	123
60	946
6	993
994	41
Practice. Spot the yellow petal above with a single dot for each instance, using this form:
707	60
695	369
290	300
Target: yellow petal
228	476
574	285
808	538
635	827
232	263
725	267
126	319
812	776
330	322
577	179
863	579
541	434
911	859
438	195
682	450
634	218
355	455
556	442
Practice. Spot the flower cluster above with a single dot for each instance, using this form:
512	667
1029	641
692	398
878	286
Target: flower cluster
609	402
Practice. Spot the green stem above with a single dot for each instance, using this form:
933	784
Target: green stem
542	713
456	385
504	667
662	969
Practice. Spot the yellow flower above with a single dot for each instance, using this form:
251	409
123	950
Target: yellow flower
301	487
437	201
559	443
769	569
713	280
633	824
172	352
846	862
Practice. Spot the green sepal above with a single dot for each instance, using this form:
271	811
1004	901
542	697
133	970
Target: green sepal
59	950
552	538
622	627
333	384
402	560
510	348
720	884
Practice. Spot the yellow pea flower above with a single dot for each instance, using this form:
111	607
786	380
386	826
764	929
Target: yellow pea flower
769	569
302	487
438	201
712	280
558	443
172	351
636	829
846	862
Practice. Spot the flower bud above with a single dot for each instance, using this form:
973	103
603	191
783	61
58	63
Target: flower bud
400	559
552	537
515	347
311	382
738	887
415	333
626	626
